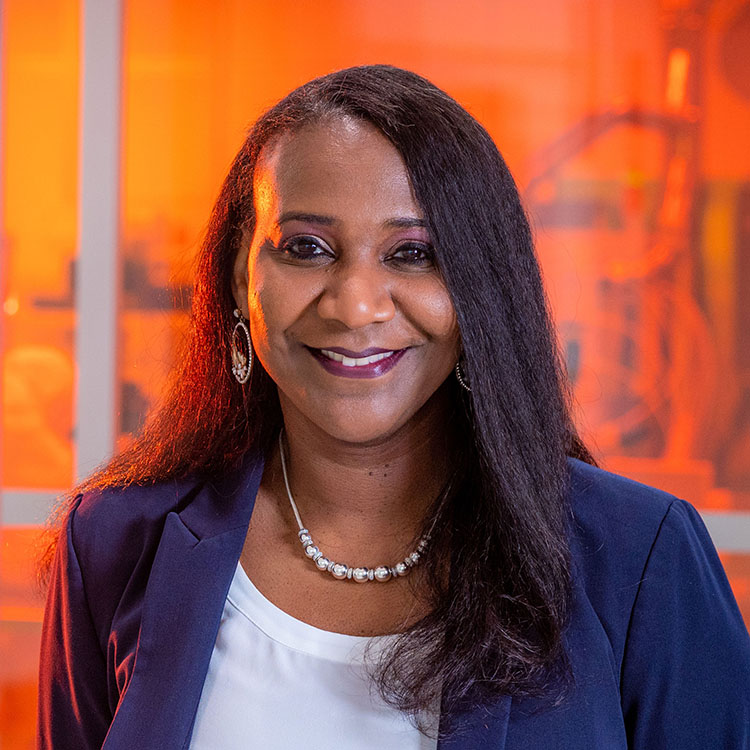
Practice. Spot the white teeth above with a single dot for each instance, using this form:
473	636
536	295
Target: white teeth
352	362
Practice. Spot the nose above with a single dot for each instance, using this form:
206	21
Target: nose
356	297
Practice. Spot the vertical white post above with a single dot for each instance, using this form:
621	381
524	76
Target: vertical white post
97	278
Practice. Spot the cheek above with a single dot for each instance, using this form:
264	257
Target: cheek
274	303
268	319
255	301
431	307
263	304
259	319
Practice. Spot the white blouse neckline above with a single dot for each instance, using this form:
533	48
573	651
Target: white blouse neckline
283	628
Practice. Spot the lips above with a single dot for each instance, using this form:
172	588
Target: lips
370	363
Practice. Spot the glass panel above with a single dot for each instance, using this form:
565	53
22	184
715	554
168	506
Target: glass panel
20	628
623	123
18	684
39	183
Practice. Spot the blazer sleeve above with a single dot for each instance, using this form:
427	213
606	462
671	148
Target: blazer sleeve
685	680
73	708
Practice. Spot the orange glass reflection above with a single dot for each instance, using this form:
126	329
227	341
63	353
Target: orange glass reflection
20	630
625	174
39	183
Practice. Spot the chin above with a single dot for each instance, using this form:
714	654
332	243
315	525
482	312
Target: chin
360	431
361	426
361	421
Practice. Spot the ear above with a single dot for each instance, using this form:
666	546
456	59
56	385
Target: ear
239	276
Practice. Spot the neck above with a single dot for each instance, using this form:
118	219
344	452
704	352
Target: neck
372	496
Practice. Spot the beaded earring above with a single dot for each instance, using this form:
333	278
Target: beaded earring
461	377
241	349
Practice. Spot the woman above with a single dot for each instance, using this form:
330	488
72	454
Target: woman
373	373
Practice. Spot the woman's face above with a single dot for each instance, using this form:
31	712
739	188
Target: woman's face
348	312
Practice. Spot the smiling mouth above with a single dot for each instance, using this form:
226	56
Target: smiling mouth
356	361
370	363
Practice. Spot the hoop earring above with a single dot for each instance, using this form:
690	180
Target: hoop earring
460	377
242	364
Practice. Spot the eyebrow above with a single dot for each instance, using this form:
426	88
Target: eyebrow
403	222
407	223
308	218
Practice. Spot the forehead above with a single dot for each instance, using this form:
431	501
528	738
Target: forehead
334	167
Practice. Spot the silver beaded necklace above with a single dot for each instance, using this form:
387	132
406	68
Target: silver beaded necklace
340	570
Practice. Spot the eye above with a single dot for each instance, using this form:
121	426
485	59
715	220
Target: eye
304	247
414	254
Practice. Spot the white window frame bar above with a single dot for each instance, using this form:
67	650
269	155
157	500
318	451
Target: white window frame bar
730	531
97	276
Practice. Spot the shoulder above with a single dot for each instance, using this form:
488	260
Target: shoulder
109	522
650	597
616	520
117	523
618	526
105	550
618	523
602	502
113	535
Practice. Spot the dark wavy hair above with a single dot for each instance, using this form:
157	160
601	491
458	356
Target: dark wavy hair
496	621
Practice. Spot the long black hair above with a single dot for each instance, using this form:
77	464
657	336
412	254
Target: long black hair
496	621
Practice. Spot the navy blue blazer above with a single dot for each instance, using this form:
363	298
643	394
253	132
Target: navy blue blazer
660	654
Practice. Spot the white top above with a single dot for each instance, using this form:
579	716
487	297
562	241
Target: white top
275	682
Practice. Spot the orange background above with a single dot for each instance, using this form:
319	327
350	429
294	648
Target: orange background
624	122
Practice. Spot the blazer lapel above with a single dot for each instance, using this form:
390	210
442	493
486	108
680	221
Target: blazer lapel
478	728
182	607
